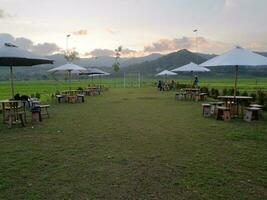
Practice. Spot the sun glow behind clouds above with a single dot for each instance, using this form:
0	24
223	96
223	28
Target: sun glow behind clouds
138	25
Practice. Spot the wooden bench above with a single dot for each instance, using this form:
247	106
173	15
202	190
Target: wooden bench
252	113
214	106
223	113
206	110
44	110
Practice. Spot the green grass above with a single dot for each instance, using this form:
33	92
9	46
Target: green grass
133	144
46	88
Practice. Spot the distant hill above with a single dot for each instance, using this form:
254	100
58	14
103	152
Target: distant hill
169	62
104	61
207	56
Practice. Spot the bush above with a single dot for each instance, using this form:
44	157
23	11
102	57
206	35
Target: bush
224	92
214	93
245	93
80	88
254	96
261	98
231	92
38	95
17	97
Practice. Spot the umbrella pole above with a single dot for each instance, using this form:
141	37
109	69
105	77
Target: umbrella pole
236	76
12	81
69	79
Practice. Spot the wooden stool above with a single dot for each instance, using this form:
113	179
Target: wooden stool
72	99
202	96
223	113
36	114
60	98
45	108
214	106
252	113
180	96
80	98
206	108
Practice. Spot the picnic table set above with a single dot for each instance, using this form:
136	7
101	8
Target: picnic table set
15	111
77	96
233	107
193	94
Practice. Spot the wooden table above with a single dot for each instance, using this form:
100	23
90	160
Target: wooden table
92	91
192	92
233	102
70	92
14	107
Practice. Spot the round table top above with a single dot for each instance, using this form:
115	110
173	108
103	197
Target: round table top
9	101
234	97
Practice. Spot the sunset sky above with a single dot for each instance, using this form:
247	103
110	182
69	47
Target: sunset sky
97	27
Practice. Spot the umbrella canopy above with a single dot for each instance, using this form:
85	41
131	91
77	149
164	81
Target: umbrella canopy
94	71
99	75
166	73
12	56
69	67
237	57
191	67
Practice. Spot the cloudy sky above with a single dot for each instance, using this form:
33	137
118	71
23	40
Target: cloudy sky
97	27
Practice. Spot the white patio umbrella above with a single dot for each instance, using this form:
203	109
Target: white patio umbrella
13	56
166	73
191	67
93	71
237	57
70	68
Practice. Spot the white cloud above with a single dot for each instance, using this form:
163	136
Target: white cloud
25	43
81	32
169	45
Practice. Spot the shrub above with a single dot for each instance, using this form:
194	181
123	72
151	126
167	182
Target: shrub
224	92
261	98
245	93
17	97
38	95
231	92
254	96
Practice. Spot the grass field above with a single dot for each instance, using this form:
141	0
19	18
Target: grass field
132	144
46	88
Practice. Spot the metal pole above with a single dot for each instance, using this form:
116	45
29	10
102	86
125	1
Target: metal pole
12	81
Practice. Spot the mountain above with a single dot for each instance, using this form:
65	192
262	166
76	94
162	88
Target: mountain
262	53
138	60
207	56
169	61
104	61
